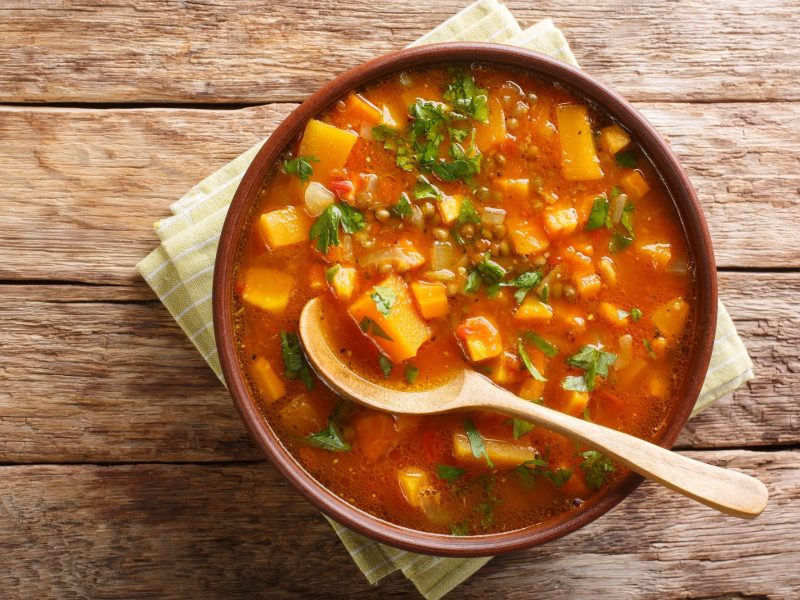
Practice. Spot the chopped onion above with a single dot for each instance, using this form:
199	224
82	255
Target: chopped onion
443	255
347	248
317	198
625	351
493	216
365	132
370	182
400	259
617	206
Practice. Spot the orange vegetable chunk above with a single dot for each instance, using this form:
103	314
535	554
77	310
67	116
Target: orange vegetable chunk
527	237
449	207
560	222
502	453
330	145
671	317
480	338
658	255
376	435
533	309
284	227
635	184
515	190
579	161
363	109
611	314
431	298
343	282
588	286
268	289
614	138
575	402
413	481
488	135
267	380
403	323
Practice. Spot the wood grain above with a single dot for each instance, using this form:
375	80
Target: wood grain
232	51
238	531
80	189
102	374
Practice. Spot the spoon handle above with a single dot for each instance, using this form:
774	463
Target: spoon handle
730	492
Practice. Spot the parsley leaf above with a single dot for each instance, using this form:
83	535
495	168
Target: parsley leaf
473	282
448	473
529	470
542	344
560	476
300	166
294	362
619	242
463	166
464	94
594	361
411	373
489	270
394	142
596	468
526	360
598	214
367	325
331	272
425	190
386	365
626	158
649	347
325	230
329	438
521	427
476	442
403	207
636	314
627	219
384	298
574	383
459	529
524	284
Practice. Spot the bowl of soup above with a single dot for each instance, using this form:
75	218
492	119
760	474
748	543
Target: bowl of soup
465	205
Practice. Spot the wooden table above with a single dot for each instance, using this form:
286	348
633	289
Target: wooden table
125	470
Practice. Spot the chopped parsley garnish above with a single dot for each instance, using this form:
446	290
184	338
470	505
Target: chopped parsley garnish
411	373
636	314
486	510
384	298
329	438
526	360
367	325
559	477
489	270
524	284
325	230
386	365
331	272
542	344
598	215
294	362
596	468
594	361
448	473
619	242
476	442
393	141
466	97
626	158
544	293
520	427
300	166
464	165
627	219
529	470
459	529
425	190
649	347
403	207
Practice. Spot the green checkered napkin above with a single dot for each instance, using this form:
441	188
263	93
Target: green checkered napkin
180	272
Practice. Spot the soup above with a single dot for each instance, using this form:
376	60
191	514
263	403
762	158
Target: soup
467	216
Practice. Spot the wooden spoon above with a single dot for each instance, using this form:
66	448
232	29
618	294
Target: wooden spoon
727	491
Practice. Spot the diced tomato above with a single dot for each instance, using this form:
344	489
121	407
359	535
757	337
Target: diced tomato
342	187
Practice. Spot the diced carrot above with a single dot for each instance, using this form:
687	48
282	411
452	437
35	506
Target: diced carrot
303	414
413	481
515	191
431	298
267	380
403	326
671	317
574	403
343	282
611	314
588	286
363	109
267	288
330	145
284	227
583	206
635	184
506	369
488	135
614	138
480	338
449	207
560	222
533	309
424	91
607	269
579	159
376	435
527	237
657	255
502	453
532	389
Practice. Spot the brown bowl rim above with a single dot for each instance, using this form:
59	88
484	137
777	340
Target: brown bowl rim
666	164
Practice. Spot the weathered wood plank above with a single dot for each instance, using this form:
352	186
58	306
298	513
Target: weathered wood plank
80	189
239	531
226	51
99	374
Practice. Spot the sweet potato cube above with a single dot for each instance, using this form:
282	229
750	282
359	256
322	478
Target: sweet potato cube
284	227
303	415
503	454
343	281
614	138
267	289
588	286
670	318
658	255
330	145
480	338
574	402
363	109
527	237
531	389
635	184
657	386
612	315
405	329
506	369
515	190
560	222
268	381
579	161
533	309
449	207
488	135
431	298
413	481
376	435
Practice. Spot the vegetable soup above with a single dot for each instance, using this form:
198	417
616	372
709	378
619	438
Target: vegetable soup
466	216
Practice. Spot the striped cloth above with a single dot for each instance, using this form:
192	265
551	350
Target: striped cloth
180	272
